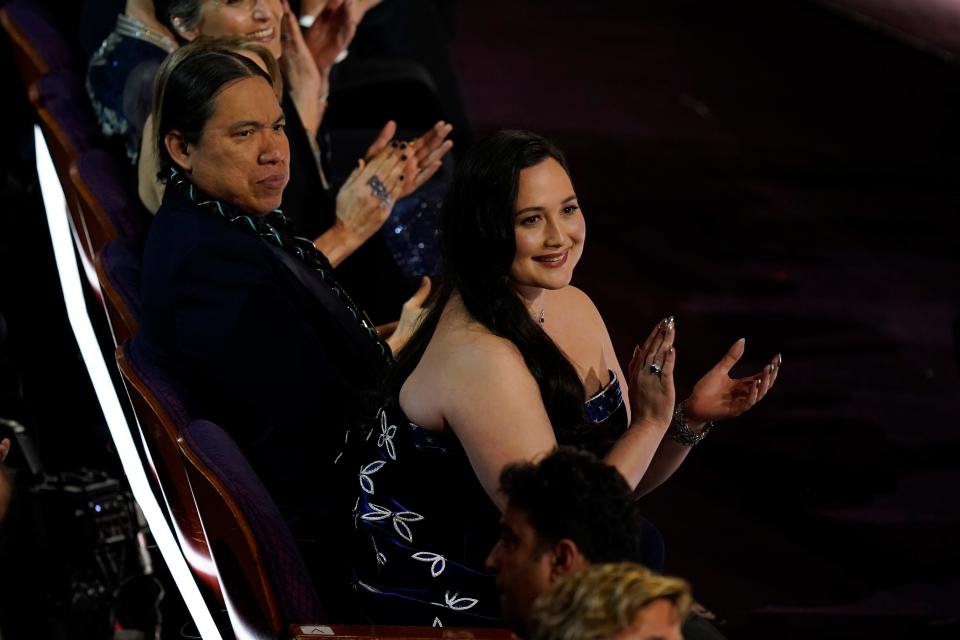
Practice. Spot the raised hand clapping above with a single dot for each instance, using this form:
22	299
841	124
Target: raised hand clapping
717	396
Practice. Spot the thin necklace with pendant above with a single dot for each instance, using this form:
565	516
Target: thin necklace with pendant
541	316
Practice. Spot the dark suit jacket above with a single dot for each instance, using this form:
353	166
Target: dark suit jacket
263	347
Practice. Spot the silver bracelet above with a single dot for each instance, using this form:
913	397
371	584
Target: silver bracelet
681	432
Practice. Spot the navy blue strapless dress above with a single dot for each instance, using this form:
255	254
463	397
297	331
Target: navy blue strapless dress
423	525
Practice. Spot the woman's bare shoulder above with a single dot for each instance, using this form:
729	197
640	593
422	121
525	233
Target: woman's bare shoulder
464	368
472	347
576	302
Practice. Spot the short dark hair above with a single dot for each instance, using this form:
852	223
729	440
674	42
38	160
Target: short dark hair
187	85
571	494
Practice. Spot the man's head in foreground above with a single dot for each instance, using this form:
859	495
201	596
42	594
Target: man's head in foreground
564	514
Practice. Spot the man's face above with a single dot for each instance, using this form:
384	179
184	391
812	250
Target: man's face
523	565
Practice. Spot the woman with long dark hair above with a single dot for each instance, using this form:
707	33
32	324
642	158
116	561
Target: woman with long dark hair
509	361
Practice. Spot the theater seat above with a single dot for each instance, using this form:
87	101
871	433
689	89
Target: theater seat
109	207
69	129
118	270
262	575
37	45
162	410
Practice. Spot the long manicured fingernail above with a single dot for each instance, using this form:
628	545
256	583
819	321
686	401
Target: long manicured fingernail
670	322
779	360
635	350
742	340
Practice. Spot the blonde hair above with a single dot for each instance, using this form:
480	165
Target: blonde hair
602	601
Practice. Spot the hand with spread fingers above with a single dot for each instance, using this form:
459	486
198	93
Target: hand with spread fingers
332	30
383	139
365	200
428	150
717	396
652	392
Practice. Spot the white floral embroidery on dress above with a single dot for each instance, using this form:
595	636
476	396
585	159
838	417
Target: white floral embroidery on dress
457	603
386	435
437	623
399	519
437	562
365	482
376	513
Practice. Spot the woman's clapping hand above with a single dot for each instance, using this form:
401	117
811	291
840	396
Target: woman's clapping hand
359	206
332	29
652	393
428	151
306	84
717	396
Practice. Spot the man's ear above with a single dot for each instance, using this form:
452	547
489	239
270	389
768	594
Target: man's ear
179	150
567	559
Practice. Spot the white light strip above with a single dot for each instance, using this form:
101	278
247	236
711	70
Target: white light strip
199	563
63	250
